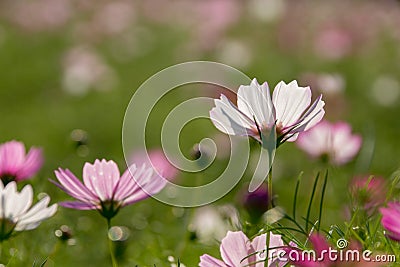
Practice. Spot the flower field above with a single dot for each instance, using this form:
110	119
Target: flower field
209	133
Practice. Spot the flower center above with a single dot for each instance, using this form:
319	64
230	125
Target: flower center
109	208
7	178
6	228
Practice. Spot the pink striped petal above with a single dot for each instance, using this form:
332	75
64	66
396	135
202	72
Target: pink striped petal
235	249
101	178
78	205
208	261
72	186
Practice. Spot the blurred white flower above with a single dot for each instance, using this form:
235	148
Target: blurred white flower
331	83
174	263
267	11
235	53
16	213
210	223
84	70
385	91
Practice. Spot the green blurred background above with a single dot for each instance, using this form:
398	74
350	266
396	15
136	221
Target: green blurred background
69	65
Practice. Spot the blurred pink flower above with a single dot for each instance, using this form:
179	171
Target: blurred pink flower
216	16
289	109
206	21
158	161
15	164
369	192
333	43
39	15
84	69
237	251
391	220
334	141
105	190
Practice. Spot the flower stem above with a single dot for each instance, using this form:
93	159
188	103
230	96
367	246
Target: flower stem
110	246
270	206
270	195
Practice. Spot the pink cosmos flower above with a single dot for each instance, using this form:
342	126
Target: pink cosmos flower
391	220
237	251
289	110
103	188
369	192
15	164
334	141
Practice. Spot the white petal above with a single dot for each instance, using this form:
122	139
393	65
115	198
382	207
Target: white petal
228	119
290	102
36	214
254	100
310	118
314	115
10	197
22	201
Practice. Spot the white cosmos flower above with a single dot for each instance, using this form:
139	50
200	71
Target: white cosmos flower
289	111
16	213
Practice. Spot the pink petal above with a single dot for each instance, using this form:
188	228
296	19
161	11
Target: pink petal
317	140
33	162
101	178
390	219
208	261
235	249
142	183
157	159
319	243
78	205
275	244
72	186
259	246
12	157
345	145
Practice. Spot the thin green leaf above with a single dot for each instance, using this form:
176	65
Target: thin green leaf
295	194
322	200
310	202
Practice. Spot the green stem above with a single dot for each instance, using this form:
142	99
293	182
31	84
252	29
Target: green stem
270	195
270	206
110	246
